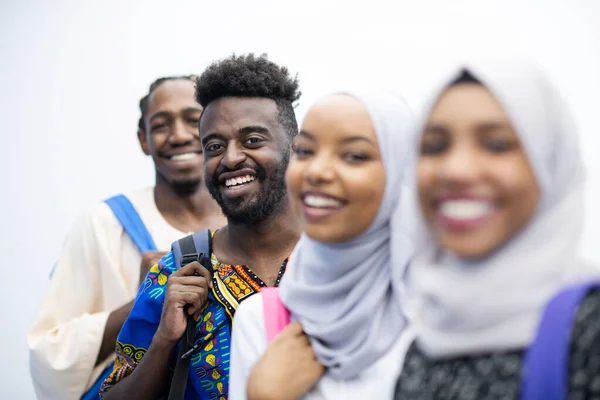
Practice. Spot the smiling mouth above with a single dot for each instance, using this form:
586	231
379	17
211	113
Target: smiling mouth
182	157
464	214
465	209
238	181
314	201
317	208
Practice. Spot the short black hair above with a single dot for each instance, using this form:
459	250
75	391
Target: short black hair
153	86
251	76
465	77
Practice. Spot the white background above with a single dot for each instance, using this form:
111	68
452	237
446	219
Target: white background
72	73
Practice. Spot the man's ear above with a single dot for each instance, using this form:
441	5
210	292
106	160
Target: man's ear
143	141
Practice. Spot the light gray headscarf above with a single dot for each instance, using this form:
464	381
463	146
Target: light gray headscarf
459	307
347	295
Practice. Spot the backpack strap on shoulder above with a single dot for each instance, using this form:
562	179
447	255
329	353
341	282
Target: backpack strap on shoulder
189	248
545	370
276	316
195	247
132	223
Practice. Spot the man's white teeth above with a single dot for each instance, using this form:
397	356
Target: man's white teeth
238	180
321	202
183	157
465	209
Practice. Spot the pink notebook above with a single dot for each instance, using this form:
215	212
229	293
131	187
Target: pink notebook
276	316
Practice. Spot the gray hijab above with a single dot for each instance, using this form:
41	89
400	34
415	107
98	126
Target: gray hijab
346	295
460	307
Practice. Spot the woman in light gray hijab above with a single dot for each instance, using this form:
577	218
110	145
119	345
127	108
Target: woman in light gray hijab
501	191
342	286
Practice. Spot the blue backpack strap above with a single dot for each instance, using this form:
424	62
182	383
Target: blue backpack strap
129	218
546	366
132	223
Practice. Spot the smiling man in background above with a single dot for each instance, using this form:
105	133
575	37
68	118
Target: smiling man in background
109	250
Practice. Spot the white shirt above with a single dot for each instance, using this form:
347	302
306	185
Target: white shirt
97	272
249	342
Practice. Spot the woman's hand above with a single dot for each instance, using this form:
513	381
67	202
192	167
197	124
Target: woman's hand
287	370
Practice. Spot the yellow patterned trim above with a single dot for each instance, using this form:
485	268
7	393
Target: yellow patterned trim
135	353
223	290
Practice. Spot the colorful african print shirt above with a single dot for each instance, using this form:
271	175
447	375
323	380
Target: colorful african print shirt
209	367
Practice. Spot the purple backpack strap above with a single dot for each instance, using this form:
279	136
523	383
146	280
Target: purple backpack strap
276	316
546	366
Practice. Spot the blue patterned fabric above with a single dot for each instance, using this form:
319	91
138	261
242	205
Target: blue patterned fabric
209	367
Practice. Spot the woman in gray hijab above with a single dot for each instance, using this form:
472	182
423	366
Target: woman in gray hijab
347	179
501	190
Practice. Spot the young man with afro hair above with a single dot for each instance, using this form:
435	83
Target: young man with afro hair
246	129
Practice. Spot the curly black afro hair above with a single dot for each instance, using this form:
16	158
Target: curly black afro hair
251	76
153	86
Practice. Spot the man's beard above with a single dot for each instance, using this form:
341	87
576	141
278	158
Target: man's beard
268	202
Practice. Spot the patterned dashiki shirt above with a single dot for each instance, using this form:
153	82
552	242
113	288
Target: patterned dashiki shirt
209	366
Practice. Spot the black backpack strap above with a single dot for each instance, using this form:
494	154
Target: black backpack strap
191	246
196	247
